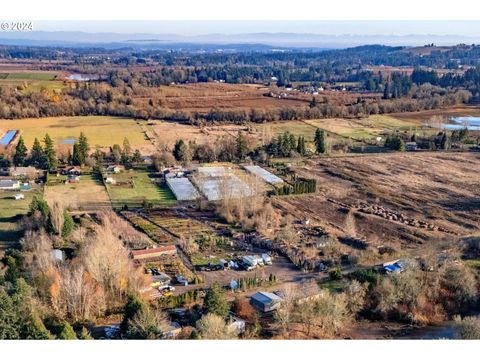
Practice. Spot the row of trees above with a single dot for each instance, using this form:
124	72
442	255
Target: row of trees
40	156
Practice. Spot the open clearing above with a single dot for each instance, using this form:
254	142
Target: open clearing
441	189
103	131
88	194
11	211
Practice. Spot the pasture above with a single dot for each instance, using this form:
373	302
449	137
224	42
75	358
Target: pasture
11	211
29	81
88	194
101	131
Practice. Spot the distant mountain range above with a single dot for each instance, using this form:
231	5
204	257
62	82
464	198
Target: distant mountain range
265	39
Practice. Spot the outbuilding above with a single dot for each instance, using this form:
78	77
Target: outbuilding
265	302
9	184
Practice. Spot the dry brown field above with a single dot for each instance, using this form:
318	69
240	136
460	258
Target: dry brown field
439	193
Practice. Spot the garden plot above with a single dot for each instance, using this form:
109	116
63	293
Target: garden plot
265	175
153	231
183	189
181	227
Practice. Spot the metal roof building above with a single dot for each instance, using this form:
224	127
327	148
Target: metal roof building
265	301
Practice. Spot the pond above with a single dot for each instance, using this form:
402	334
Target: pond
79	77
8	137
69	141
460	122
456	123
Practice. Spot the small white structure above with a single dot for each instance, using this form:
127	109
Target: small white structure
57	255
182	188
114	169
19	196
265	175
110	180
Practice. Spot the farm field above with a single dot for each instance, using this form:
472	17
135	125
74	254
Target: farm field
135	187
88	194
103	131
11	212
166	133
403	200
31	81
203	97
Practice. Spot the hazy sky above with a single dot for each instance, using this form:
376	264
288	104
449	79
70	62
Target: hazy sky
465	28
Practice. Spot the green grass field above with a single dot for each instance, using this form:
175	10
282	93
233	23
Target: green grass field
11	211
103	131
29	75
134	187
29	82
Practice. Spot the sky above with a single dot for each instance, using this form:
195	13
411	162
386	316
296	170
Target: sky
192	28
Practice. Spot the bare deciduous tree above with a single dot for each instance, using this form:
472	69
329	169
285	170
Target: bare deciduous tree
213	327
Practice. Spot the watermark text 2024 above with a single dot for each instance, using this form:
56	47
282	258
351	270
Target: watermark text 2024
16	26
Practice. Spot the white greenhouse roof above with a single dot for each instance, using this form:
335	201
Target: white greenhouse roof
182	188
265	175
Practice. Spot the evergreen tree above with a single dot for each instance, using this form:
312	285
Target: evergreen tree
216	302
241	146
313	102
77	158
37	156
85	334
177	149
49	150
320	141
67	332
20	153
83	148
133	306
137	157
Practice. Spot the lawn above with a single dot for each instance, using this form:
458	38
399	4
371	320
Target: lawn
11	212
137	186
103	131
87	194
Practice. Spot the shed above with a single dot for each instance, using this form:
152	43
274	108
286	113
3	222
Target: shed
411	146
57	254
19	196
265	302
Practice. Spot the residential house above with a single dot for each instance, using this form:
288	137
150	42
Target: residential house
23	171
9	184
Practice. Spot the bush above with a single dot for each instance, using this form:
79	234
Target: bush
335	274
366	275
